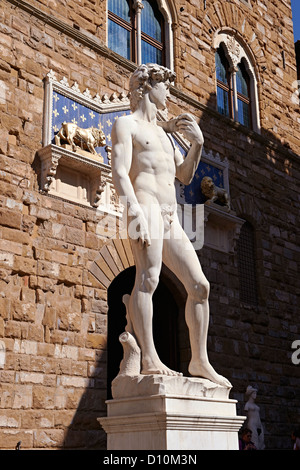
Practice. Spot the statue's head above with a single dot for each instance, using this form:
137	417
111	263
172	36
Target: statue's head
144	77
251	391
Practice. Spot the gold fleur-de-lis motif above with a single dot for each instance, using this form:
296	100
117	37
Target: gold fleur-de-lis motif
100	126
55	97
108	122
74	121
92	115
83	118
56	113
65	109
108	137
74	106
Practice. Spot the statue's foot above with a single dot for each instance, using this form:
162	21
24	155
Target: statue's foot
208	372
150	367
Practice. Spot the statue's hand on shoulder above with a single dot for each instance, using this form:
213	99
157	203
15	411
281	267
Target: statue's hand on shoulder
187	125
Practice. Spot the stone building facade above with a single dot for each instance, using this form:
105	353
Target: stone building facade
297	48
62	252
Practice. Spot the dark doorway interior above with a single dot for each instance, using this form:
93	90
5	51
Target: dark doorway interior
165	315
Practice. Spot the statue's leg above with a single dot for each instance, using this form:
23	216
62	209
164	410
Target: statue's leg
180	256
148	261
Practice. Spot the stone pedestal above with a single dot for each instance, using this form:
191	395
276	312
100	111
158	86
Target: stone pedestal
170	413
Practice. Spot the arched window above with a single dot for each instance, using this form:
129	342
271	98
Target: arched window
120	27
243	96
247	265
152	34
137	31
237	95
224	88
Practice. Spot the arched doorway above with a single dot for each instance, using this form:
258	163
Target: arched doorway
165	323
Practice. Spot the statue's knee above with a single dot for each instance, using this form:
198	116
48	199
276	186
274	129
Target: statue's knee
150	283
200	291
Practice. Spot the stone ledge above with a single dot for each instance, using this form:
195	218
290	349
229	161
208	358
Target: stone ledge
170	421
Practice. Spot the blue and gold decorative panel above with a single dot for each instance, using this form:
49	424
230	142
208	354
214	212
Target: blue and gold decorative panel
192	192
66	109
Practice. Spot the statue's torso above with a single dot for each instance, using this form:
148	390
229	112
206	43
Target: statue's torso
153	165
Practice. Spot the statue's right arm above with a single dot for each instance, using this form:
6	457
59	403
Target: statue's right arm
121	159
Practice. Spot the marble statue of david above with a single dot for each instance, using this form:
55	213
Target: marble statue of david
144	166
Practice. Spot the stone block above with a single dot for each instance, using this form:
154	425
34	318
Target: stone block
75	236
5	305
22	398
48	269
22	311
50	438
70	275
96	341
69	321
9	438
49	317
27	295
42	397
12	329
10	218
25	347
24	265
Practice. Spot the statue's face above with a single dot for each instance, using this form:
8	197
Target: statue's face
159	94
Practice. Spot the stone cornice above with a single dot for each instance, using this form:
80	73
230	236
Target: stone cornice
95	44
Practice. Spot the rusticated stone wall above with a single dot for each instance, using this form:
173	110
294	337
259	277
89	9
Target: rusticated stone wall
53	320
53	313
297	48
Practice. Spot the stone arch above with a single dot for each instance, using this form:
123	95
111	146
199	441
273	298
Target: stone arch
247	208
230	18
168	9
115	256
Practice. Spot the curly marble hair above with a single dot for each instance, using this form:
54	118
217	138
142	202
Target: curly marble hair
142	78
